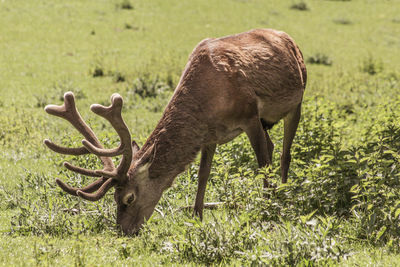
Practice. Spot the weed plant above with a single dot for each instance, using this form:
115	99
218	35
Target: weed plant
372	66
125	4
302	6
320	59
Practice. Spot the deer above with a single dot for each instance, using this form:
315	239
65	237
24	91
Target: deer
239	83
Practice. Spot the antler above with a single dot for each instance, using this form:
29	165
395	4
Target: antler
109	174
113	115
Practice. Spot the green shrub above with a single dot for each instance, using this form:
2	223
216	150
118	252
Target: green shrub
236	238
97	71
125	4
320	59
302	6
118	77
376	204
372	66
147	87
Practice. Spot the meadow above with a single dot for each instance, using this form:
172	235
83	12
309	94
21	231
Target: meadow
341	205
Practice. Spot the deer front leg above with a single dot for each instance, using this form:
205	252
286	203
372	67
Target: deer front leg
261	143
207	153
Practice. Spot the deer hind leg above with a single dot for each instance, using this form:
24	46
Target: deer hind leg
207	153
261	143
270	146
291	121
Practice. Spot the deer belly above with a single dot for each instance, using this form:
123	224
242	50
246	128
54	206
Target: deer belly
274	111
224	135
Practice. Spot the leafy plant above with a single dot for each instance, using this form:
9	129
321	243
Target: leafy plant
147	87
320	59
125	4
302	6
371	66
118	77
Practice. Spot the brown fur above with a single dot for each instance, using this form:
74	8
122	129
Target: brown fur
234	84
226	83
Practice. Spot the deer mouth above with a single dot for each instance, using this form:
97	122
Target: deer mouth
131	221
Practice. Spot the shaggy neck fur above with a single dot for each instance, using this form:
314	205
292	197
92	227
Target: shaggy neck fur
178	137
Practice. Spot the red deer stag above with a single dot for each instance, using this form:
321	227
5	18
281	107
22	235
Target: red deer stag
240	83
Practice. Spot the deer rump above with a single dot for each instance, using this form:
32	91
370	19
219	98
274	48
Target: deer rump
234	84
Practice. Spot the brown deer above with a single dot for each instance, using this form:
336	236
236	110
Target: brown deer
239	83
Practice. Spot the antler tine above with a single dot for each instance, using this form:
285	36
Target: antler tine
66	150
66	111
87	172
88	189
100	192
69	112
112	113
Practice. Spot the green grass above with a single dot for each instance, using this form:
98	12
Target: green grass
341	205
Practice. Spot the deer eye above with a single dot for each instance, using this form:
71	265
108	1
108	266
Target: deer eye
128	199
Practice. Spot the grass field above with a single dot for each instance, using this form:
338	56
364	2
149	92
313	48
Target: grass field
341	205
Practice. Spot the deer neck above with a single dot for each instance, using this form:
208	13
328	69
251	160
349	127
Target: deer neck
178	137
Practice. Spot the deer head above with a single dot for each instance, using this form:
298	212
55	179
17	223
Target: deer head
135	194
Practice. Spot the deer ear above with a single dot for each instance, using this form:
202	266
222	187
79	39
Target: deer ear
147	159
135	147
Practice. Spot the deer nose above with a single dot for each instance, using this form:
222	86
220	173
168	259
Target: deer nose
130	231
